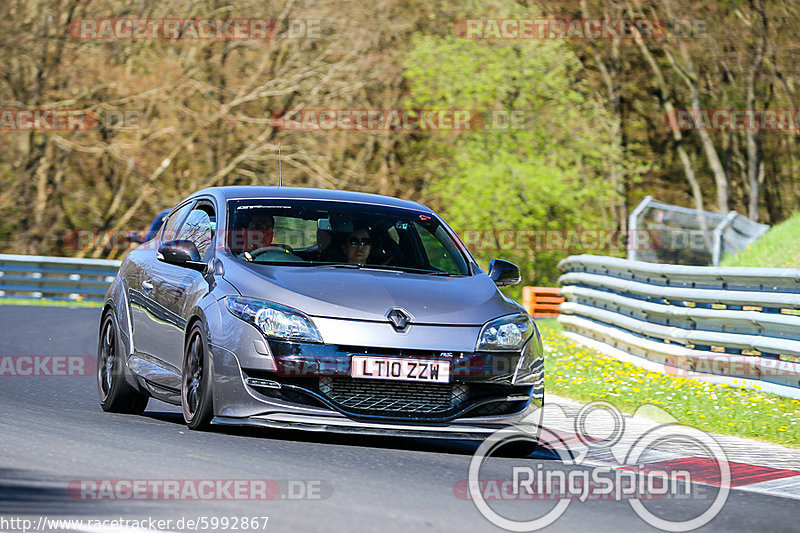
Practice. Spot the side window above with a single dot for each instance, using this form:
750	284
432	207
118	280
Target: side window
171	227
199	228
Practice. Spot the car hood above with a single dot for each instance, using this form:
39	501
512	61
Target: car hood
369	294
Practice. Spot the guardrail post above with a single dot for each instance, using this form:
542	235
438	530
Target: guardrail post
633	225
716	256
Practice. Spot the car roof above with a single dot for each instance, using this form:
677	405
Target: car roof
306	193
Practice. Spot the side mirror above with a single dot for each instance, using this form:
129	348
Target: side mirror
504	273
182	253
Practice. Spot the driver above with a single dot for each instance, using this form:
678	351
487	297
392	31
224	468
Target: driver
357	247
258	232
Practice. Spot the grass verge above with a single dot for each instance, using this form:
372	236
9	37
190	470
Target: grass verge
585	375
778	248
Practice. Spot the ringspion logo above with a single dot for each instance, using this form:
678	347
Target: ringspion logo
629	476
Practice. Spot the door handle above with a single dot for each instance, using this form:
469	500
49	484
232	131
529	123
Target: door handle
147	285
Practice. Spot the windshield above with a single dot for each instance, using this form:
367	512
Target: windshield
317	233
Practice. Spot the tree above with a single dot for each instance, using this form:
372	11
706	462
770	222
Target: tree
550	173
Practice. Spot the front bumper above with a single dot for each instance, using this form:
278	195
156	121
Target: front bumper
290	387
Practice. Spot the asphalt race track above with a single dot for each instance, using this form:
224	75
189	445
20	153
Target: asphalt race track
53	432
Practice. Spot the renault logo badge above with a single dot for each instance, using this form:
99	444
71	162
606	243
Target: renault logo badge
399	319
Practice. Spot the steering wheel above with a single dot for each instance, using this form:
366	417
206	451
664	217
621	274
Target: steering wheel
390	257
273	248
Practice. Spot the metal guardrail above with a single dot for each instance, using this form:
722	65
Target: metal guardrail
728	321
32	276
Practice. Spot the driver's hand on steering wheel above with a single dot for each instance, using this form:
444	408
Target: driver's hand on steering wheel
251	255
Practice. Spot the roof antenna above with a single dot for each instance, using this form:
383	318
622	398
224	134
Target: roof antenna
280	167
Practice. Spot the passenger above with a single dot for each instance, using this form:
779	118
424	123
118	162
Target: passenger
357	247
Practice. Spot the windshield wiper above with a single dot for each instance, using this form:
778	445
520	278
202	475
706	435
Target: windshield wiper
425	271
354	266
337	265
387	268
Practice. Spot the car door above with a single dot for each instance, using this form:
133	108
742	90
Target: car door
152	324
177	289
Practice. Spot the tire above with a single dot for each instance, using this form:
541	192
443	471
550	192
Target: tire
116	395
196	398
517	449
526	443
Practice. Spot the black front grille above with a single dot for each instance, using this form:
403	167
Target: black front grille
378	396
395	399
497	408
292	395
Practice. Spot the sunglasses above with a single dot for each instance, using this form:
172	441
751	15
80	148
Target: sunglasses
361	242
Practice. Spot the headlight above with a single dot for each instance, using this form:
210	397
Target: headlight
505	333
274	320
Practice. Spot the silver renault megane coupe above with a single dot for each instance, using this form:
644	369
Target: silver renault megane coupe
317	310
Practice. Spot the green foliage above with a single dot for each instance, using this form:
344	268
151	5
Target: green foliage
549	173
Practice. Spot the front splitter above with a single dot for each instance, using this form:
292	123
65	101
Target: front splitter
347	426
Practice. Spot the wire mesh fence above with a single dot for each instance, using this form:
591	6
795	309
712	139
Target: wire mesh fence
665	233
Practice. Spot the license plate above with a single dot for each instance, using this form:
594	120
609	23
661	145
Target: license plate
363	366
